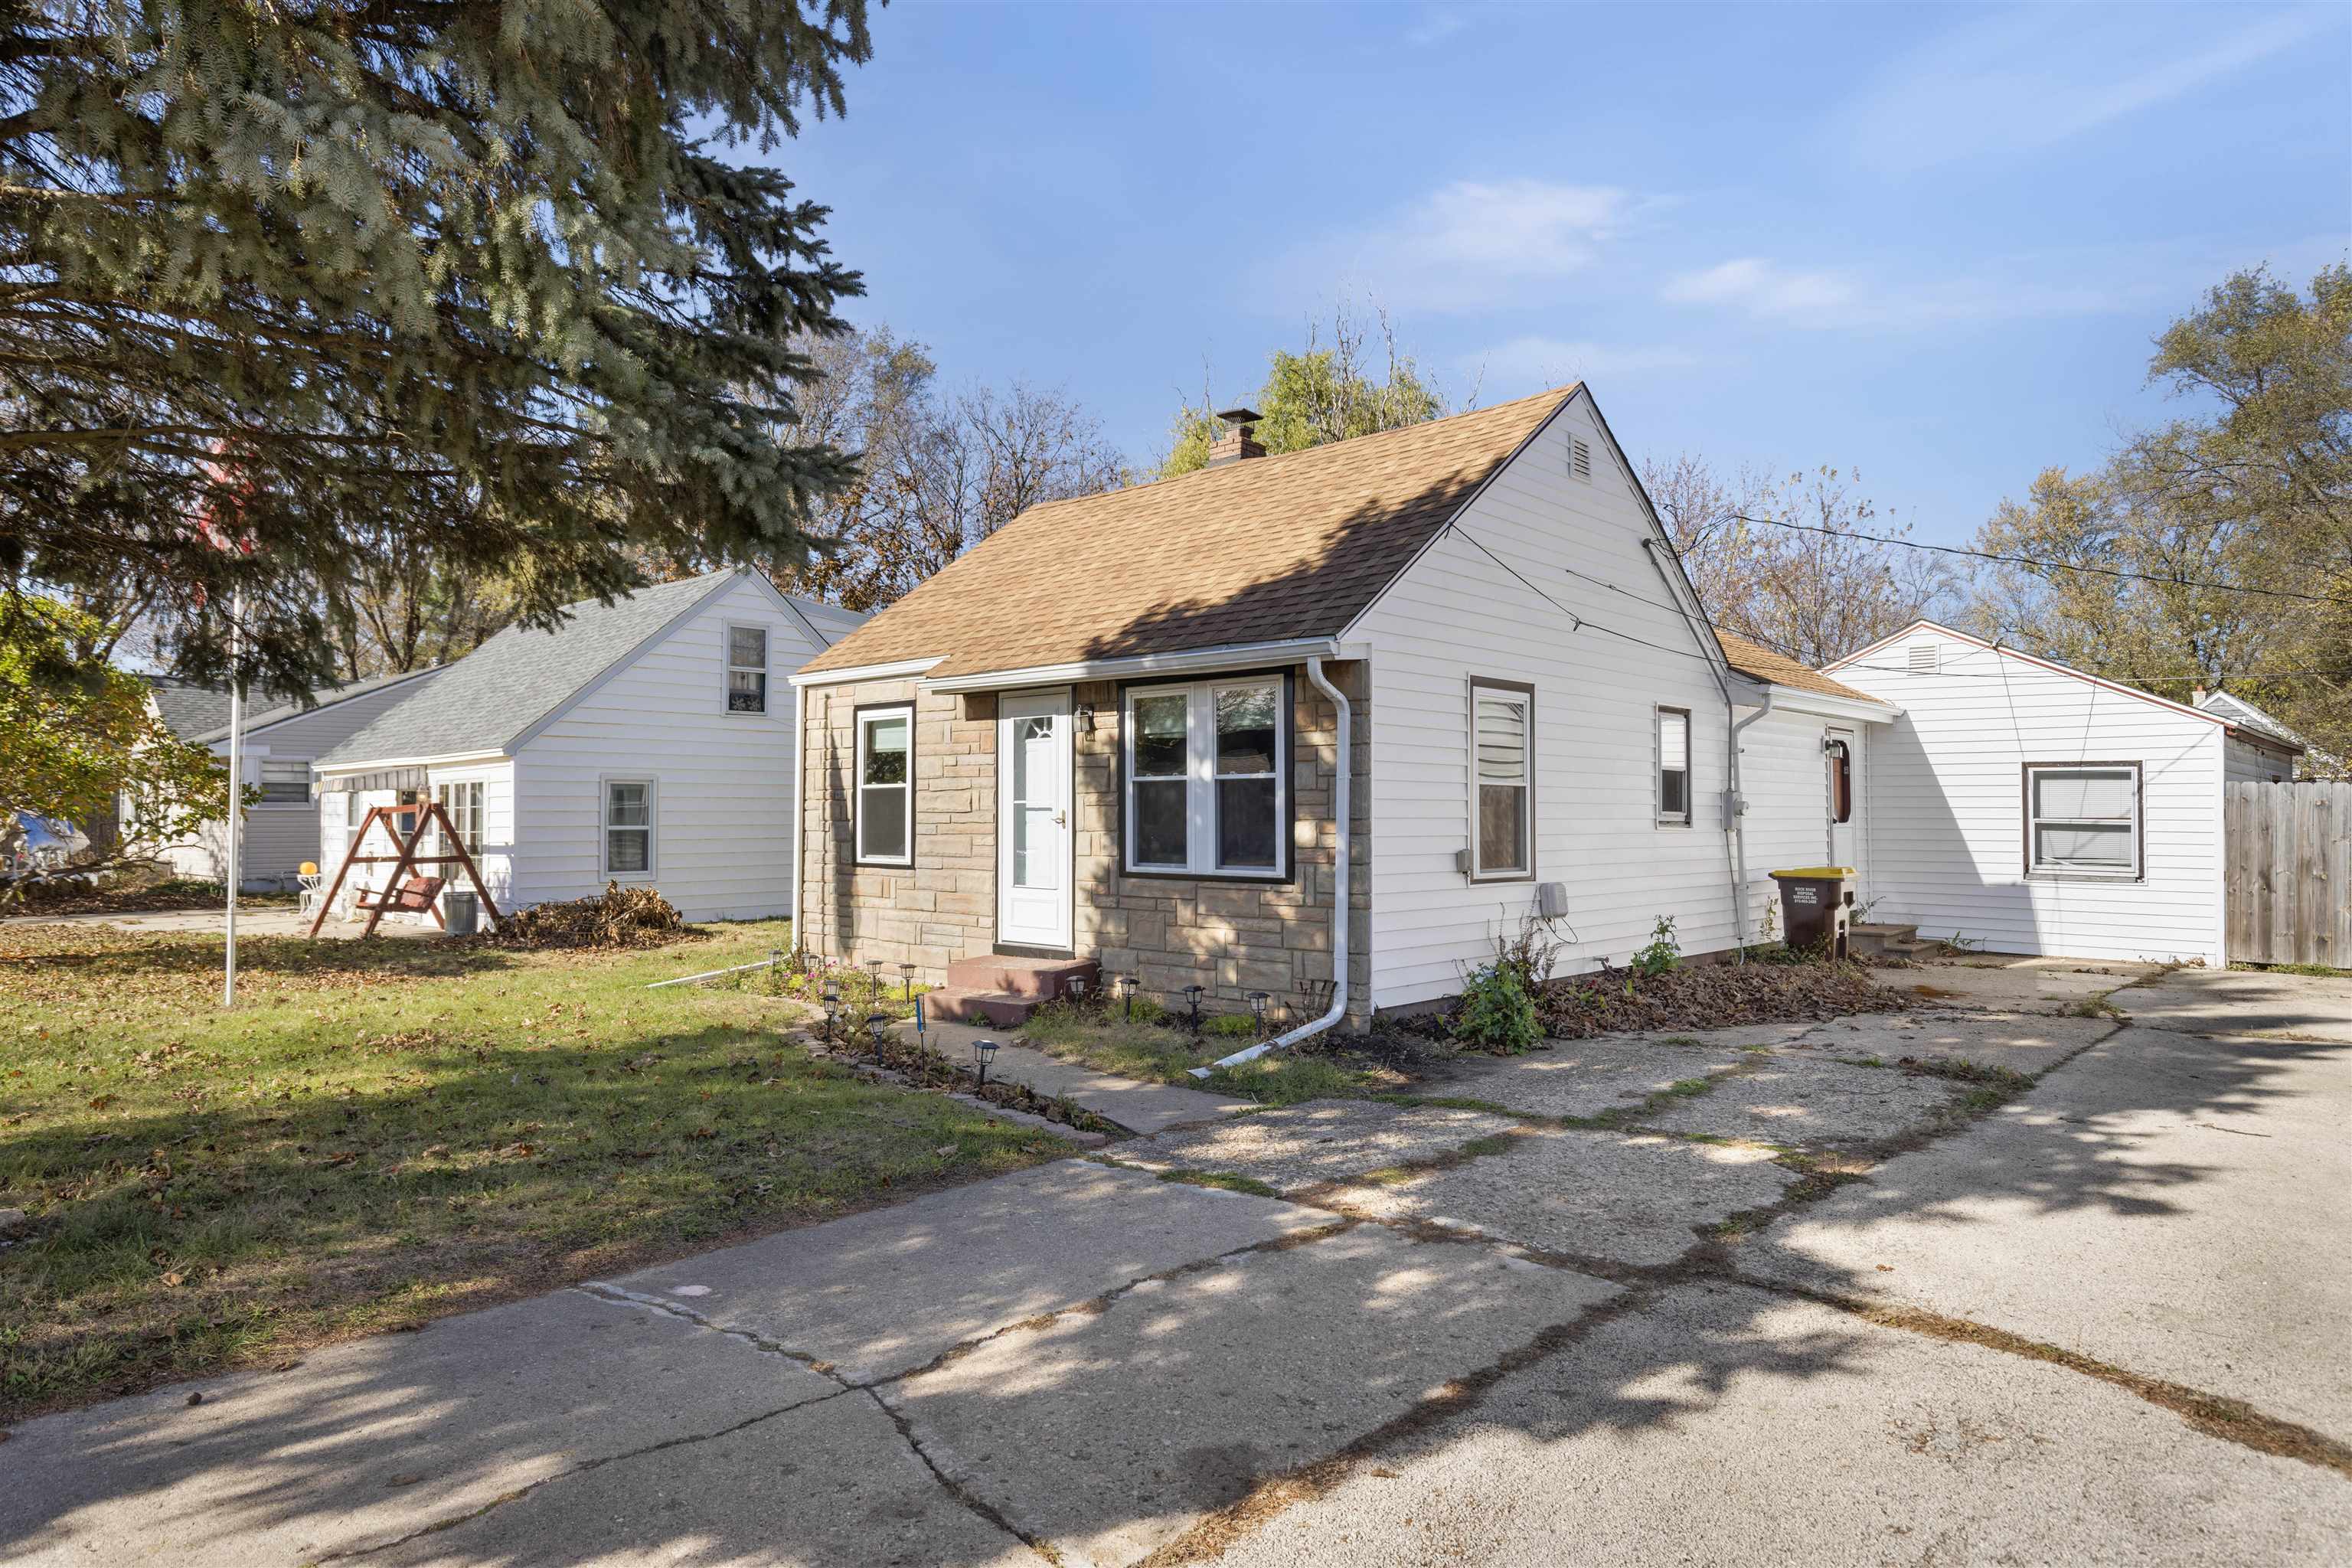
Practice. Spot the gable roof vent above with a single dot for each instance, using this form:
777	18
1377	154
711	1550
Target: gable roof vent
1926	658
1580	457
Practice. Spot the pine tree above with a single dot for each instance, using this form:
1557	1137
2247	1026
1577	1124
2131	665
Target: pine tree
498	283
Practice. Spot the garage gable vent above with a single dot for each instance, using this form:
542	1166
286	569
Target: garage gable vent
1580	457
1926	658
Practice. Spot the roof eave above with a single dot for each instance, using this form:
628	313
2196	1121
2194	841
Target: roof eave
1190	661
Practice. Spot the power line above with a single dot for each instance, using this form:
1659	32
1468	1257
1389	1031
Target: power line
2050	565
1578	621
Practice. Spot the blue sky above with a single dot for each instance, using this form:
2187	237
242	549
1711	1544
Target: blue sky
1928	243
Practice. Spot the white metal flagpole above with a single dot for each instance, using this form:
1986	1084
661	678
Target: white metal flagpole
236	786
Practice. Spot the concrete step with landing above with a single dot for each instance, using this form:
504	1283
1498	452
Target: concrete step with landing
1035	979
988	1009
1883	938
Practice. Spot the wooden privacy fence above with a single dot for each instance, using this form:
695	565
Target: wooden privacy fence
2289	872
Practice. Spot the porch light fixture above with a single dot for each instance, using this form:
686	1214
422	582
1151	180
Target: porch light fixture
986	1051
1084	718
1257	1001
879	1025
1192	996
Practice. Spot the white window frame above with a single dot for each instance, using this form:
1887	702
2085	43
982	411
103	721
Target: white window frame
478	806
606	827
863	718
1684	817
765	669
261	777
1479	870
2041	871
1201	778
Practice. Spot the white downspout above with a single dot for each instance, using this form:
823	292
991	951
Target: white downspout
1342	904
1740	823
799	823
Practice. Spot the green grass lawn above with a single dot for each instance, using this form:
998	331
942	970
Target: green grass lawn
385	1132
1149	1050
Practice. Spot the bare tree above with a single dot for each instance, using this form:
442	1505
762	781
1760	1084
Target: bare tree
1804	566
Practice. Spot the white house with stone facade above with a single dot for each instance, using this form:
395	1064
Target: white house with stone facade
1119	731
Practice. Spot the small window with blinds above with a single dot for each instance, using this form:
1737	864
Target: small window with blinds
1673	767
2082	819
1502	747
285	782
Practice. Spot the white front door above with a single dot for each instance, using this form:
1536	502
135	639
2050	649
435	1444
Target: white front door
1034	868
1842	778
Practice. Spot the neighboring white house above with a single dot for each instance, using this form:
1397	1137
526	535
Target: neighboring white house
646	740
2030	807
281	738
2260	749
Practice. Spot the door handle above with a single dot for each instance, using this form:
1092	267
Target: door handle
1061	817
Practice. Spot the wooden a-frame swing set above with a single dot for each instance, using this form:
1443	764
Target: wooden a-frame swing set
398	896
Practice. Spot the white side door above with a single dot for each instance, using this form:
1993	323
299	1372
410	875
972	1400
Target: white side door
1841	789
1033	866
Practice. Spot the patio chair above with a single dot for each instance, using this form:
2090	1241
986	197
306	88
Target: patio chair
312	886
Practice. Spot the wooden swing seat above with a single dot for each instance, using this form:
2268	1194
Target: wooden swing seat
414	897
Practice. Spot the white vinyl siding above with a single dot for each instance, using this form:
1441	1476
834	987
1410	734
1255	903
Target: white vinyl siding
726	797
1783	777
1947	806
2244	763
1456	616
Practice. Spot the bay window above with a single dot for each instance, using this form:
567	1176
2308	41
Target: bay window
2082	819
1207	794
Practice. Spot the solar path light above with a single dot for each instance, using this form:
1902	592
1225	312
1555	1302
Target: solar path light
985	1051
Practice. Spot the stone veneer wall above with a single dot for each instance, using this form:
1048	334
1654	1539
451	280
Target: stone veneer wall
1233	937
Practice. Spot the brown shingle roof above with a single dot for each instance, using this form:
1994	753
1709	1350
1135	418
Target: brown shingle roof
1753	658
1264	550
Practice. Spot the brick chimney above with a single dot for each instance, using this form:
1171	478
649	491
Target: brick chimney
1238	441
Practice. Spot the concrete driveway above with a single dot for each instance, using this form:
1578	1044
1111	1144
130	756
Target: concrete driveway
1758	1296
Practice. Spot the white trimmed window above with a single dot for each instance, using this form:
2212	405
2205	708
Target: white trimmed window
1502	742
1673	767
1206	791
747	670
462	802
628	828
285	782
886	785
2082	819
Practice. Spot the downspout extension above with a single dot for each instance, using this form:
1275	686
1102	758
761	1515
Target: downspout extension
1343	905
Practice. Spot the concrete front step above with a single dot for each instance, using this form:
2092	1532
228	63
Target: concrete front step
1885	938
1035	979
990	1009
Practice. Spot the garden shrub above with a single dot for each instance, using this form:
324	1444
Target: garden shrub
1497	1013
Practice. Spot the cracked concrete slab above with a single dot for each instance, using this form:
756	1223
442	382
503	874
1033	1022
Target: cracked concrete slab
2028	1043
1630	1199
2167	1203
1588	1078
825	1486
1110	1433
1811	1103
364	1442
1326	1140
1739	1429
2009	984
886	1291
2244	1002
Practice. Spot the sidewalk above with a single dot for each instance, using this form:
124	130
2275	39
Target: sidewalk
1141	1108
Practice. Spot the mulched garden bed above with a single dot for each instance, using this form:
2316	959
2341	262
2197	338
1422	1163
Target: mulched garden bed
1711	996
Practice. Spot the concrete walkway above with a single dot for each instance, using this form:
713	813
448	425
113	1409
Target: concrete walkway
1138	1107
2100	1325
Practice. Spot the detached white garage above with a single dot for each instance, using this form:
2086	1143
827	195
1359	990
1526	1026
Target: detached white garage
2024	806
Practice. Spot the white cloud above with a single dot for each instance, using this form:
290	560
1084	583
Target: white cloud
1434	27
1533	362
2030	80
1471	244
1763	288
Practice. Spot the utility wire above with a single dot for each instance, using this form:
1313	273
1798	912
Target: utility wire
1578	621
2051	565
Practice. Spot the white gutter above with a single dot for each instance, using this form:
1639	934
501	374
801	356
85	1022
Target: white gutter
1797	700
897	671
378	764
1342	904
1230	655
